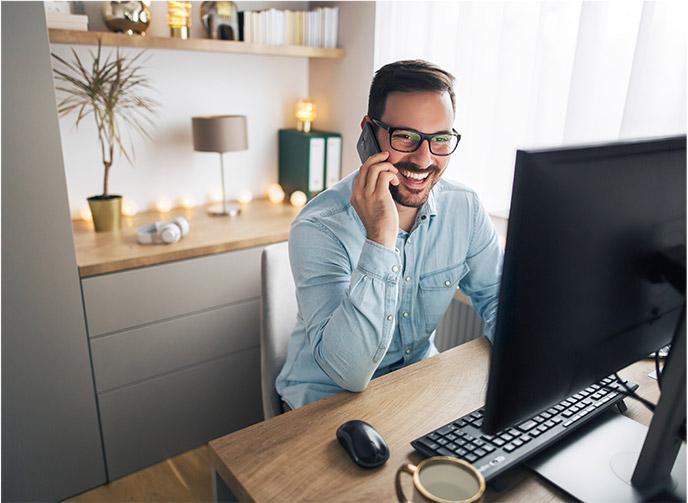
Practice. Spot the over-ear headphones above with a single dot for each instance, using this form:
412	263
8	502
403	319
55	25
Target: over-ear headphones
163	232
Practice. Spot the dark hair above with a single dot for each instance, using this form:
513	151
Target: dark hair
407	76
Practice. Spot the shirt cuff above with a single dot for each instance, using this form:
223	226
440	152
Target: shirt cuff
376	260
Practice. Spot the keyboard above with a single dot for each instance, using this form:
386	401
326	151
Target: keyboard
494	454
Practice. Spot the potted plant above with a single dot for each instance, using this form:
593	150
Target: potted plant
108	90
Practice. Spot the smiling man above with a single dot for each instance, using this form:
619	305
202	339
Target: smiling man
377	258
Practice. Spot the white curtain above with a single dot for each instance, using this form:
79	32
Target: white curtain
539	74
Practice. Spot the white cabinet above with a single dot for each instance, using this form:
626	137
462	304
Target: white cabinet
176	355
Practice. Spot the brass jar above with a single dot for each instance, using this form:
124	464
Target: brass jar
106	212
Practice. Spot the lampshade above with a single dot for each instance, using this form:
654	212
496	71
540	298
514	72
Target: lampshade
219	133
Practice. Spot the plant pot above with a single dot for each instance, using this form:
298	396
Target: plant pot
107	212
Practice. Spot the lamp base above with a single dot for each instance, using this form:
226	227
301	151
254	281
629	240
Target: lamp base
230	210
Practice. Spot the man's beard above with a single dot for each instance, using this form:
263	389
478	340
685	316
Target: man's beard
417	197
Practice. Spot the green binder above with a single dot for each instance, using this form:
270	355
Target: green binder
309	162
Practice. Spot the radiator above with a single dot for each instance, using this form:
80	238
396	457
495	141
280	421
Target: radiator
460	324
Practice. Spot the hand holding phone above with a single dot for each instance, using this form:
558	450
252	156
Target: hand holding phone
370	194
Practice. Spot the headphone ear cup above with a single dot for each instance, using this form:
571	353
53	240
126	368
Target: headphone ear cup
170	233
183	224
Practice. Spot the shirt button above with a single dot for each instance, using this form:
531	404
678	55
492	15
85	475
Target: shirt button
408	351
390	317
447	283
408	278
395	268
423	217
405	315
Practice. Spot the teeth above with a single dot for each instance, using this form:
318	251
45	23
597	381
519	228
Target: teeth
414	175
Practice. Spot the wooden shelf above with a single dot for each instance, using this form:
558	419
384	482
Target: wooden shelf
192	44
259	223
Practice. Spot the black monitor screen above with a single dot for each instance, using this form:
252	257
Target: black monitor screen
578	298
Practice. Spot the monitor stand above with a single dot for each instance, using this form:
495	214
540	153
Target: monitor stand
596	463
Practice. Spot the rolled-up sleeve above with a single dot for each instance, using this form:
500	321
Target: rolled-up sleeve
347	304
484	260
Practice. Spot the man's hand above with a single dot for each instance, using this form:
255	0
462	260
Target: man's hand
373	202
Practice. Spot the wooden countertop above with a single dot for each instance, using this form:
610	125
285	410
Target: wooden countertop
259	223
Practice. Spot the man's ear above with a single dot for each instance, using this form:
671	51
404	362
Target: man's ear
364	120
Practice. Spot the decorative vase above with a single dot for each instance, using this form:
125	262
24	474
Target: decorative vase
107	212
127	17
220	20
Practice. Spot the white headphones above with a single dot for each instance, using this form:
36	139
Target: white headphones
163	232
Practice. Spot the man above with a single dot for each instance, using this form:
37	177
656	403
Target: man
377	258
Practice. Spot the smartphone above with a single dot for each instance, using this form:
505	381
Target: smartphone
367	143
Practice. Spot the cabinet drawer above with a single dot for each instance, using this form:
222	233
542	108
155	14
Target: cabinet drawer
150	421
142	353
127	299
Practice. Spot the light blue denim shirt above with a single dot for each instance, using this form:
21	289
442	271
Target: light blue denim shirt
365	310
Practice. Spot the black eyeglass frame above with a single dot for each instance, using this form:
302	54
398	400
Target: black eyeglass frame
390	130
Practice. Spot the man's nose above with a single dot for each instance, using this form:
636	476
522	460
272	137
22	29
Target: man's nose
422	157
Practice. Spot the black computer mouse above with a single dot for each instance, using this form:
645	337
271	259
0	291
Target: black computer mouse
363	443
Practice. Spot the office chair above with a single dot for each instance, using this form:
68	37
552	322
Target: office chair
277	321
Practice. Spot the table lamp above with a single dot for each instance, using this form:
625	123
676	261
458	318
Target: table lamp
220	133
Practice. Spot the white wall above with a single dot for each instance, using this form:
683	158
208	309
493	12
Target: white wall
340	88
264	88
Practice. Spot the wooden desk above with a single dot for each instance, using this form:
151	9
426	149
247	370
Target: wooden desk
296	457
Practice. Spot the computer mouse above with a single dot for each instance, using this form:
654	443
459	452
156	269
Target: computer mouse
363	444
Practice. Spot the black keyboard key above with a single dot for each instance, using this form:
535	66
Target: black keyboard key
488	448
480	453
487	437
452	447
445	452
446	429
528	425
460	452
459	441
509	447
460	423
498	442
469	447
451	437
477	442
442	441
468	437
478	423
433	436
429	444
477	414
470	457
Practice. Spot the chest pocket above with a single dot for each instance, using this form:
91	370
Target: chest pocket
437	289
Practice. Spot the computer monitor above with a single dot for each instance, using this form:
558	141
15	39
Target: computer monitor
584	290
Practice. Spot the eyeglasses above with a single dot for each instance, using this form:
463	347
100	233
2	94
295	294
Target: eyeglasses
409	140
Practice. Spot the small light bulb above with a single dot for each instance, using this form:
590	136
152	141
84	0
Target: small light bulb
163	205
275	193
215	196
129	208
298	199
245	197
86	214
187	202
